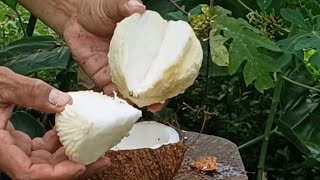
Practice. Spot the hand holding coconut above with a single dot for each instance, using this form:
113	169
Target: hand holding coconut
150	60
88	26
41	158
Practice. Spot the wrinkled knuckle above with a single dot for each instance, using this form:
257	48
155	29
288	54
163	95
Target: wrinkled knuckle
36	87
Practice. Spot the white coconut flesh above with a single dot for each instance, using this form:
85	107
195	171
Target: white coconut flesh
148	134
152	59
93	124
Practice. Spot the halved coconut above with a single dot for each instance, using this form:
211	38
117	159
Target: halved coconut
93	124
152	59
151	151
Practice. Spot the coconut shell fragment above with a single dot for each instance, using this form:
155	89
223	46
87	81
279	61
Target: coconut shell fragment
157	163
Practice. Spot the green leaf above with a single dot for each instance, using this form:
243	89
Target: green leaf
26	123
161	6
244	49
178	15
299	122
34	54
306	38
264	4
27	45
11	3
219	53
295	18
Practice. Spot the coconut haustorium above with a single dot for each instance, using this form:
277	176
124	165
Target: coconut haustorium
152	151
152	59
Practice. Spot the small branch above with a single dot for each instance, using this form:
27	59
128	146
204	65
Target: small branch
178	7
267	130
244	5
300	84
211	3
254	141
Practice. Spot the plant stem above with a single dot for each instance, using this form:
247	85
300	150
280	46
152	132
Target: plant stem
178	7
31	25
300	84
255	140
265	142
205	93
244	5
21	23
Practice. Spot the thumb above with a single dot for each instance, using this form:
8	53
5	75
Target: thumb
32	93
124	8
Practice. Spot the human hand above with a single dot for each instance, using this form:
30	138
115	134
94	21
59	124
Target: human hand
88	35
41	158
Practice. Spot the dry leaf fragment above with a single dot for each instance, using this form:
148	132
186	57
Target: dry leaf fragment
205	164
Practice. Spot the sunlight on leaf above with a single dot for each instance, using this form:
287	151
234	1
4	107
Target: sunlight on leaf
219	53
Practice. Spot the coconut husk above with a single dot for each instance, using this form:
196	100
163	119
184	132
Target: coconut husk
162	163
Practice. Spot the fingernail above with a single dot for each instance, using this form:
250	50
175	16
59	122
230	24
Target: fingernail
59	98
135	4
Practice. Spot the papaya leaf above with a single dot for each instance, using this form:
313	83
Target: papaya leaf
244	48
33	54
295	18
307	37
219	53
26	123
11	3
264	4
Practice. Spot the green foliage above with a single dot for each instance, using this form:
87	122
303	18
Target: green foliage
11	3
11	29
30	55
244	47
264	4
26	123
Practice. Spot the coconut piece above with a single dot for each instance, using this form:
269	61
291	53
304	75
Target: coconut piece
151	151
93	124
152	59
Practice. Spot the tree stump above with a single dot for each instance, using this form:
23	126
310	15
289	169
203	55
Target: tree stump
230	163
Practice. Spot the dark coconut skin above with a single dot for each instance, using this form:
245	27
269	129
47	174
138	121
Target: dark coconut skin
162	163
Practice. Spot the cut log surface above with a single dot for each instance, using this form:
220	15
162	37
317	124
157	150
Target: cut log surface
231	166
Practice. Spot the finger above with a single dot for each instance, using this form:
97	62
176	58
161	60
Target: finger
100	165
65	170
5	115
33	93
110	89
41	157
15	163
9	127
23	141
59	156
119	9
157	107
50	142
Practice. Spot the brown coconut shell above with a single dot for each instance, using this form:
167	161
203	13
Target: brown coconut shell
162	163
